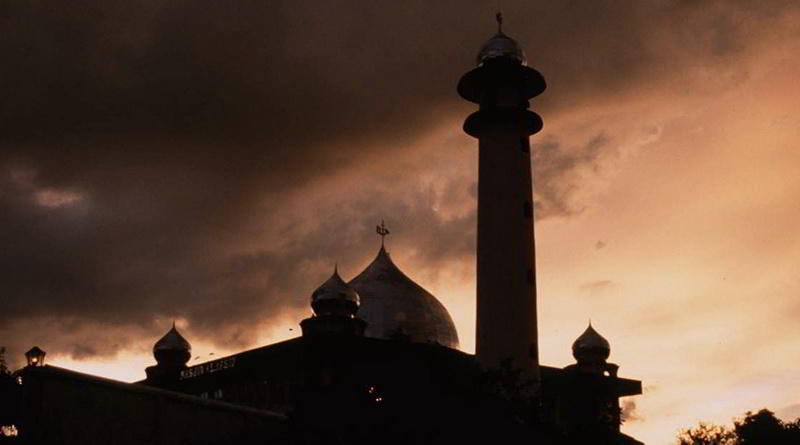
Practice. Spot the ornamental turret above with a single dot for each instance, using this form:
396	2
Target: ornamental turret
335	298
172	349
171	352
589	404
591	350
502	85
335	305
591	347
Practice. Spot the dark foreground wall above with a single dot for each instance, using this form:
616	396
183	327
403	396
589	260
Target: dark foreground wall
64	407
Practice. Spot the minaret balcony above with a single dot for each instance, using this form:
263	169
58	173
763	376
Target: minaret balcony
482	84
521	121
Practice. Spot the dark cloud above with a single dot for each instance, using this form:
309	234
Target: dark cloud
557	173
144	143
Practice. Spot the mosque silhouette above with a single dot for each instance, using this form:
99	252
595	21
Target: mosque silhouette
377	361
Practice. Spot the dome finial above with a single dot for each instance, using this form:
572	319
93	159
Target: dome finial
382	231
499	18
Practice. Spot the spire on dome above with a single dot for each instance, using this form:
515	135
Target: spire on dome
499	18
382	231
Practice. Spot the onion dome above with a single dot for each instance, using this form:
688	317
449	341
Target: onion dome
172	348
394	306
501	45
591	347
335	297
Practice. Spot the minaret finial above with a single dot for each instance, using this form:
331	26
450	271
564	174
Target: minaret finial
499	18
173	323
382	231
336	268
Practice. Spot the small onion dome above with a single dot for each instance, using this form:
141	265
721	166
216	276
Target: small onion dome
591	347
501	45
335	297
395	307
172	348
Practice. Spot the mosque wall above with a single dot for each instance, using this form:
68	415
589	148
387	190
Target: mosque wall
64	407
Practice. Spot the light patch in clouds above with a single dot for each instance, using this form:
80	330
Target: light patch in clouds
597	287
54	198
650	134
789	413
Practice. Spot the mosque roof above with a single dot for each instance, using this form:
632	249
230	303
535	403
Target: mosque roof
394	306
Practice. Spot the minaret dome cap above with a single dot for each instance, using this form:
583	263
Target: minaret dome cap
501	46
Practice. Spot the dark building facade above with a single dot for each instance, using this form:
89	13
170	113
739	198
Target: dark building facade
58	406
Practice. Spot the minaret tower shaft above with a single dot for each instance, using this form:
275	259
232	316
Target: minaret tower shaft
502	85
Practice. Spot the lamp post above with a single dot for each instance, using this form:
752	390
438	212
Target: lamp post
35	356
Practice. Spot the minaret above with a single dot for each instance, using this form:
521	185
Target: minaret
502	84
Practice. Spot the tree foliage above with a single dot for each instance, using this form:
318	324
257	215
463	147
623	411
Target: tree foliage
707	434
3	367
761	428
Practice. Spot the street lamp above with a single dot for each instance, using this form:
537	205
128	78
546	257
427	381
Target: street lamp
35	356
